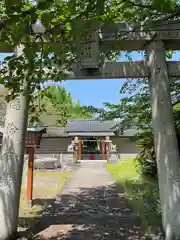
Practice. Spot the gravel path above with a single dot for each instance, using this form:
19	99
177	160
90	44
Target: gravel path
89	207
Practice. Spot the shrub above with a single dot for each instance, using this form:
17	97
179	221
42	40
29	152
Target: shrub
146	159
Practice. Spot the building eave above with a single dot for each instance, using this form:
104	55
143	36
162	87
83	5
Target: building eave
91	134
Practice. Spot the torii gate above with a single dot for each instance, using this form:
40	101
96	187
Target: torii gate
155	42
157	70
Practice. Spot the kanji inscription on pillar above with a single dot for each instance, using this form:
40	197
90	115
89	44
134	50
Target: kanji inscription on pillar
15	104
5	180
11	128
10	154
2	119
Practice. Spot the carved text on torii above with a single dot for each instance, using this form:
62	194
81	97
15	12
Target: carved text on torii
2	119
89	49
10	154
15	104
86	45
5	180
11	128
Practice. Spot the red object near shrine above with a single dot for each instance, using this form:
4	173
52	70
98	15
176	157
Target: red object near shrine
33	139
91	157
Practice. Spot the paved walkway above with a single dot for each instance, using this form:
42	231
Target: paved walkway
89	207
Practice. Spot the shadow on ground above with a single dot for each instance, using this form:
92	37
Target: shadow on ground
42	202
33	213
91	213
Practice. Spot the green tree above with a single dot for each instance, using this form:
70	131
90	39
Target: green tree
59	106
78	111
135	108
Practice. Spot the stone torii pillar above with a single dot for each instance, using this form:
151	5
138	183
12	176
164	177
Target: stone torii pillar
166	146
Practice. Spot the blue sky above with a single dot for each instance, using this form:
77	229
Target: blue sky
95	92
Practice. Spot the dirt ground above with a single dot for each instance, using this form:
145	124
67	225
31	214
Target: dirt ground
46	185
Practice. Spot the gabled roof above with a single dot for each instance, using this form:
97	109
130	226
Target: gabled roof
82	127
91	134
36	129
55	132
89	125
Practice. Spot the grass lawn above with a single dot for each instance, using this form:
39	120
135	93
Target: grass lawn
141	193
46	185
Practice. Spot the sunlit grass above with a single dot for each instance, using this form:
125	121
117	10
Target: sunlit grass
142	193
46	185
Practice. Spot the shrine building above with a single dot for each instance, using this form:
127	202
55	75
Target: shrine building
87	139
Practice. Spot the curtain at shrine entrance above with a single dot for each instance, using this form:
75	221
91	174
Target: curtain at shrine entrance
92	148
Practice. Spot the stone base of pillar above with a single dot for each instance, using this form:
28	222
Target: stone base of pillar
29	203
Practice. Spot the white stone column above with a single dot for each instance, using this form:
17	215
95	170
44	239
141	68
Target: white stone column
11	162
166	147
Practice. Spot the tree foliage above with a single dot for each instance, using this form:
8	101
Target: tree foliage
59	18
135	108
49	56
146	159
63	20
56	106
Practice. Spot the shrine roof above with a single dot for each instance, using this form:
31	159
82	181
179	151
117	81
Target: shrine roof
55	132
37	129
82	127
89	125
91	134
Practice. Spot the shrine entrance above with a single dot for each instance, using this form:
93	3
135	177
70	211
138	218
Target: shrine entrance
92	148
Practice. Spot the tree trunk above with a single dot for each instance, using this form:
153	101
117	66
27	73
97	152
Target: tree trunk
11	163
166	145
